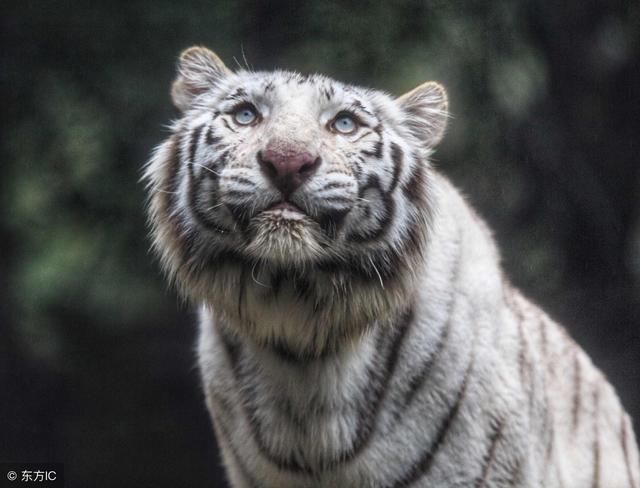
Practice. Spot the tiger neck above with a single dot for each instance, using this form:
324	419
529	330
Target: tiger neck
301	318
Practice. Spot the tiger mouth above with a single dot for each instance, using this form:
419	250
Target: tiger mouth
285	208
287	212
284	214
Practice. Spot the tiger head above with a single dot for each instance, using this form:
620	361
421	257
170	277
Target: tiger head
284	198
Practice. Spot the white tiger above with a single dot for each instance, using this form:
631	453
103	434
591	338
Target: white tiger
356	327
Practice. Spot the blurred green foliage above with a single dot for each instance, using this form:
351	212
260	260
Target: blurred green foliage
543	139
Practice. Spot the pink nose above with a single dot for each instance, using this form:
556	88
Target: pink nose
287	170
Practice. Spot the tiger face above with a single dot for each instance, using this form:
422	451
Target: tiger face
291	178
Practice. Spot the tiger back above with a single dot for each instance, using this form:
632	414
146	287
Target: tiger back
356	328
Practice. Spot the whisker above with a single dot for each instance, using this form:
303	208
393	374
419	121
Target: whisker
214	207
208	169
253	276
237	62
244	57
377	272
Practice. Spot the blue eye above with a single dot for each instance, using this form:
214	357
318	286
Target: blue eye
245	115
344	124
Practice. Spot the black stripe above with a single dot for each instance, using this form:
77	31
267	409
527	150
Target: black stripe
356	167
174	167
516	473
525	367
194	191
178	227
577	392
367	409
544	341
243	289
549	431
376	152
239	212
416	382
241	179
548	428
231	347
522	351
423	465
362	136
414	241
244	471
239	194
226	124
277	277
596	438
239	93
338	199
211	138
359	268
358	104
397	158
303	288
335	185
489	457
624	438
247	391
193	142
298	357
370	410
289	463
330	221
415	188
527	375
383	222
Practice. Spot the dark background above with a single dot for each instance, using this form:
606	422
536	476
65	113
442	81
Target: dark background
96	354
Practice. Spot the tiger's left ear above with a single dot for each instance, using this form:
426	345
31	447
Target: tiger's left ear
426	107
199	69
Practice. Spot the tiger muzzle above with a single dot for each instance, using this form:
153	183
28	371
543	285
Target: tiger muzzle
287	169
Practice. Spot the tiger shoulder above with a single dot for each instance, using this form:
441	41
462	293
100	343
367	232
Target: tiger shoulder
356	328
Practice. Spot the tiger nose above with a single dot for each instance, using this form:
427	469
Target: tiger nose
287	170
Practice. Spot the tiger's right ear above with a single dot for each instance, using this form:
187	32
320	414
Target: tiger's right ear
198	70
427	110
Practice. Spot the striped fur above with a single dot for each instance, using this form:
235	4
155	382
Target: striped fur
369	339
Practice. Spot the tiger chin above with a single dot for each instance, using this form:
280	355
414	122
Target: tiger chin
356	329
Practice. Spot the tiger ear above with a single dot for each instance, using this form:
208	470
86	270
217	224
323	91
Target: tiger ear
426	107
198	70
